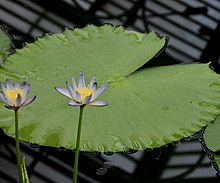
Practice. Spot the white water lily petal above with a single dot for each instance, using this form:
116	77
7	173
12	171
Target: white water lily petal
78	96
91	82
23	85
3	89
73	103
74	83
17	85
94	87
87	99
70	89
28	101
8	101
81	83
63	91
98	103
18	100
9	84
98	92
3	99
26	90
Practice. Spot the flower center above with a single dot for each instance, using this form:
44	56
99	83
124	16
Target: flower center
13	94
84	92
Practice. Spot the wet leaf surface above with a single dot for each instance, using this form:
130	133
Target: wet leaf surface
147	109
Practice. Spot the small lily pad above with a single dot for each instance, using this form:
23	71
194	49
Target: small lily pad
212	136
212	139
147	108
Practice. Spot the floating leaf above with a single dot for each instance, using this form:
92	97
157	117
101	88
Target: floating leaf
5	44
212	136
212	139
217	160
147	108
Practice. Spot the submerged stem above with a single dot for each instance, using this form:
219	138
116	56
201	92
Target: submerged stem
75	169
18	147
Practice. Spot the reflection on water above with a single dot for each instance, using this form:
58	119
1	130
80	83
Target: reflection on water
107	166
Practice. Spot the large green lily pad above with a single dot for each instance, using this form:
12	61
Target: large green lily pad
147	108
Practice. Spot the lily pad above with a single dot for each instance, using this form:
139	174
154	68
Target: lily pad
5	44
212	136
217	160
212	139
147	108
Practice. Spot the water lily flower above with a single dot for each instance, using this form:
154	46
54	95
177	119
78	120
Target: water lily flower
16	96
82	95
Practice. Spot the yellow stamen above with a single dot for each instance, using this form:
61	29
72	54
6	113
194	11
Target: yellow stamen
84	92
13	94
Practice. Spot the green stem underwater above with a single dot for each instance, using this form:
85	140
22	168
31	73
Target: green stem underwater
75	169
18	147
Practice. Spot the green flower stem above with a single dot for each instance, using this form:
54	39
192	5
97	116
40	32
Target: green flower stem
75	169
18	147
